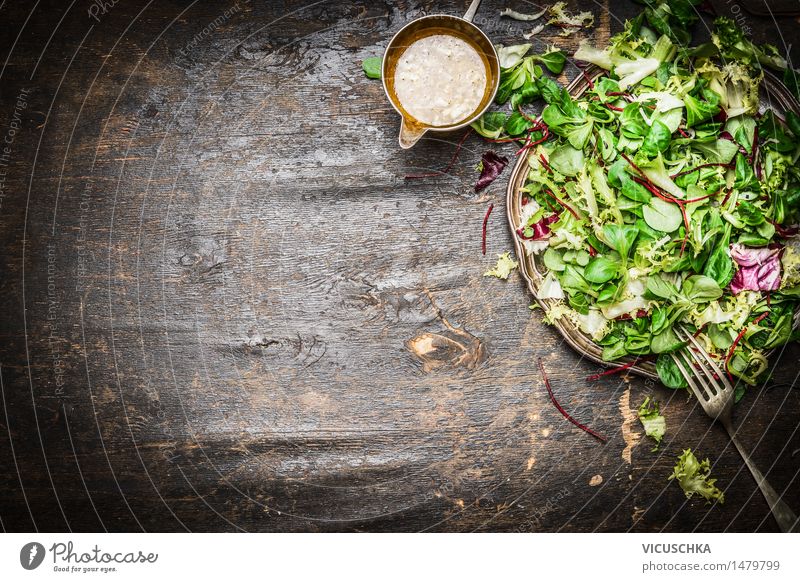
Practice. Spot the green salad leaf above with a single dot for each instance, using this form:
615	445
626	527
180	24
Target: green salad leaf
505	264
554	59
694	477
664	199
372	67
655	426
662	215
491	124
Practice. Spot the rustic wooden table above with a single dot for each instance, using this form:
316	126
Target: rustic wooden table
223	307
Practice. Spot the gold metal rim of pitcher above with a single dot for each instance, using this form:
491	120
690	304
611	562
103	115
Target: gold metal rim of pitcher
481	41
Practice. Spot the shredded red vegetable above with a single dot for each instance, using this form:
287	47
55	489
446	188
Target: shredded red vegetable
449	166
681	204
718	164
563	412
738	339
616	370
783	231
536	123
588	79
699	198
485	222
564	204
645	181
530	144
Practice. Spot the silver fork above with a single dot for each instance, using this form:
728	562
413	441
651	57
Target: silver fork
715	394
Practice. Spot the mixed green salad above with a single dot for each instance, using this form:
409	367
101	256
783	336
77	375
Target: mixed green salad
662	196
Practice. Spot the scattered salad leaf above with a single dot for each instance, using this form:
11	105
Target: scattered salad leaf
694	478
524	17
554	59
511	56
654	424
518	75
505	264
569	23
372	67
492	166
491	124
669	373
517	124
534	31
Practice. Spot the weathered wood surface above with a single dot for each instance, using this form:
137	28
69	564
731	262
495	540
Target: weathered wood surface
223	308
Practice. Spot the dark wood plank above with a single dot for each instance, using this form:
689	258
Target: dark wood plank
223	308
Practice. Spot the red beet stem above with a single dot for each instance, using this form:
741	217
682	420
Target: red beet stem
530	144
503	140
645	181
562	203
783	231
738	339
485	222
563	412
588	79
616	370
699	198
527	117
700	167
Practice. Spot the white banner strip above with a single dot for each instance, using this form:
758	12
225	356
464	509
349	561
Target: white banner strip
378	557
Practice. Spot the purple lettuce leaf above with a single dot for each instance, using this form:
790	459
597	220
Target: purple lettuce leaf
540	229
759	269
492	166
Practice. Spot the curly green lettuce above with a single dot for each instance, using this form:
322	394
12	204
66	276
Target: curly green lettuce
505	264
694	477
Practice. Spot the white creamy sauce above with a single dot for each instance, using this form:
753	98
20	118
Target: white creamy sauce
440	80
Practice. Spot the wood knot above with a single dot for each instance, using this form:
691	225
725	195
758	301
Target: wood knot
456	348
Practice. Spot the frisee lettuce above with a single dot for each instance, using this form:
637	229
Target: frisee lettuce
505	265
694	477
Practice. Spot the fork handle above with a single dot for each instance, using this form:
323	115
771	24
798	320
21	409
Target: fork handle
786	518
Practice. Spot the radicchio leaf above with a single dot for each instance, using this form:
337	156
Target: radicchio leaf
540	229
492	166
759	269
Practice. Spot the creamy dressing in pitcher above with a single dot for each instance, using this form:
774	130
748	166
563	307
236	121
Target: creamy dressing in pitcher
440	80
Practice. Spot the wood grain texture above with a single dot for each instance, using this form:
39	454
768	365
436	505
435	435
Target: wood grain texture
223	307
